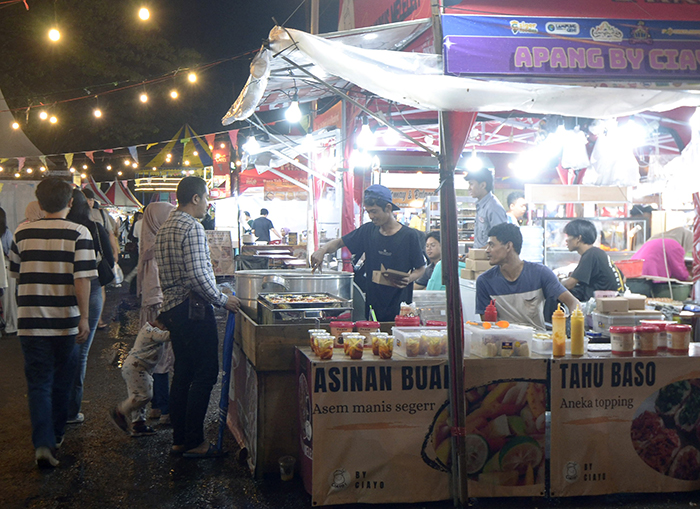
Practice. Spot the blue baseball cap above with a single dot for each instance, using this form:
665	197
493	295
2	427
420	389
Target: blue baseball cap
379	192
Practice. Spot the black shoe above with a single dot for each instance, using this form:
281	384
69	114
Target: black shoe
142	431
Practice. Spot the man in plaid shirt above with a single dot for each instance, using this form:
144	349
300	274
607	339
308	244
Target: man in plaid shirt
189	290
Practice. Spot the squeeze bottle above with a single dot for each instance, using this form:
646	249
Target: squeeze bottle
558	332
577	332
491	313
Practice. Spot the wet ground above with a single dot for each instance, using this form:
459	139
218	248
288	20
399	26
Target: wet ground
103	468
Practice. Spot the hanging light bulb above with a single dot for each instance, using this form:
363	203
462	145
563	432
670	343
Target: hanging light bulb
223	145
293	113
143	97
173	94
251	146
53	119
54	34
43	115
391	137
41	169
144	14
29	170
15	125
97	112
72	170
365	139
135	165
119	173
85	167
192	77
126	162
109	167
83	176
474	163
195	153
17	175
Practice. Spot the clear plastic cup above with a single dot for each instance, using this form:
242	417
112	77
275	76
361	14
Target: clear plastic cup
287	467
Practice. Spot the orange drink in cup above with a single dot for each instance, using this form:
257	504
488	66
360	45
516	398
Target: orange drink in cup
385	346
324	347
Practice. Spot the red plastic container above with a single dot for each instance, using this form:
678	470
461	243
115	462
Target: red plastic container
630	268
407	321
435	323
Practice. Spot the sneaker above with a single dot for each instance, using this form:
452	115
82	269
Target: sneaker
44	458
154	413
164	420
119	420
59	441
142	430
78	419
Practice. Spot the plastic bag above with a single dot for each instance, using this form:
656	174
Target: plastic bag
118	275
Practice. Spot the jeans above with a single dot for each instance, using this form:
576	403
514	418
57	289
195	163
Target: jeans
161	396
49	365
81	351
195	343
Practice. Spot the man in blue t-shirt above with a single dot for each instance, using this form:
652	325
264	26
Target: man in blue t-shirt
384	241
261	227
519	288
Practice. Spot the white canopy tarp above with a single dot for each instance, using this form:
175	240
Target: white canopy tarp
416	79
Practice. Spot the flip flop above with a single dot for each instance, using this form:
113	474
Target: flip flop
177	450
102	325
212	452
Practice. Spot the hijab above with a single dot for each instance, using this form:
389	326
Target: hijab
33	212
148	284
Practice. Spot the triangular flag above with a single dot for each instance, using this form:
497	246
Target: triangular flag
43	160
109	150
148	147
20	162
91	155
210	139
233	136
134	153
69	160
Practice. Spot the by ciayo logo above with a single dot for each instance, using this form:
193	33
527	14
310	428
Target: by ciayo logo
523	27
562	28
572	470
339	479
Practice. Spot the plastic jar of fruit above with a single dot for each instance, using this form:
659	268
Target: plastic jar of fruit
337	328
366	328
678	338
622	341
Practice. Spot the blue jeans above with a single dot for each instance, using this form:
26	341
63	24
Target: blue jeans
161	393
49	366
196	348
81	351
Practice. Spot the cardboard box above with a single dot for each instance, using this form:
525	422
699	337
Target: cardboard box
477	254
477	265
467	274
636	302
378	276
612	305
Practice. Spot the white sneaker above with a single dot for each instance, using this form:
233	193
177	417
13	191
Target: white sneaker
44	458
78	419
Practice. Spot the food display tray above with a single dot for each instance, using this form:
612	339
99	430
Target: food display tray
270	313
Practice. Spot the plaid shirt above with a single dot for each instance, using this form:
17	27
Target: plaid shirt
184	262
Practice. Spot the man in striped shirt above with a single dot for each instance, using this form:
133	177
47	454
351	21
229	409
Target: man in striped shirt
54	261
189	290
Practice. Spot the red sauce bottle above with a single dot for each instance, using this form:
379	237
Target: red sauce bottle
491	313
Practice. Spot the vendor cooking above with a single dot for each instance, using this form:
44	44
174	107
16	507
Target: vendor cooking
519	288
595	270
384	241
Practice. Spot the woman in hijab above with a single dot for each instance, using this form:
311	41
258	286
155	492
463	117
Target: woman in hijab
80	213
148	286
33	212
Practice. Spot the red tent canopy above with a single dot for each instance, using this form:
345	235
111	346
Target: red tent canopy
99	195
119	195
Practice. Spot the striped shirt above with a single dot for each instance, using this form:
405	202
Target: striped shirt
184	262
47	256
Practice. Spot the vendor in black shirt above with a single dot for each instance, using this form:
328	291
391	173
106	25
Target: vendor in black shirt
595	270
386	242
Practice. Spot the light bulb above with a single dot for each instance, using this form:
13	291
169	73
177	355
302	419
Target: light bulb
144	13
17	175
85	167
72	170
391	137
41	168
365	138
83	176
195	153
97	112
135	165
252	146
43	115
293	113
29	170
126	162
53	119
109	167
54	34
143	97
15	125
192	77
223	145
173	94
119	173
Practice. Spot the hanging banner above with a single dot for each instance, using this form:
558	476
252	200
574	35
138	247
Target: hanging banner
366	428
504	426
625	425
572	48
367	13
268	180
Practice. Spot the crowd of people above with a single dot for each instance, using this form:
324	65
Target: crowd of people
60	258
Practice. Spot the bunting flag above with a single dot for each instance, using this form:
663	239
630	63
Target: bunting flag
43	161
109	150
210	140
148	147
233	136
134	154
20	162
91	155
159	160
69	159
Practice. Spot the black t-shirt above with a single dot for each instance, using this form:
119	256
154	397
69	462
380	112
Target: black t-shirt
261	227
596	271
401	251
423	280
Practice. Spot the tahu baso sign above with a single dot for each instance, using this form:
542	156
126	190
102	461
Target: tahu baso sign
275	186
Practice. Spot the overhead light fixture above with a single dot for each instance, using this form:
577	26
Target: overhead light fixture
15	125
97	112
365	138
54	35
391	137
474	163
109	167
144	14
143	97
43	115
53	119
173	94
192	77
251	146
293	113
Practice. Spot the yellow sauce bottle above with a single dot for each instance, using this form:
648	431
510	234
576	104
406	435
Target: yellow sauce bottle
558	332
577	332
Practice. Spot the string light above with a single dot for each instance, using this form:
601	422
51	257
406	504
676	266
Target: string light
43	115
85	167
109	167
17	175
223	145
83	176
54	35
143	97
53	119
119	173
15	125
187	163
41	169
192	77
72	170
293	113
135	165
195	153
2	169
29	170
126	162
173	94
97	112
144	14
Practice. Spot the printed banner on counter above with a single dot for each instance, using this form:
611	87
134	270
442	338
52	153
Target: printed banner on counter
625	425
572	48
505	426
221	251
368	429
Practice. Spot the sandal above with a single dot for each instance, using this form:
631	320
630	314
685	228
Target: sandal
177	450
211	452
